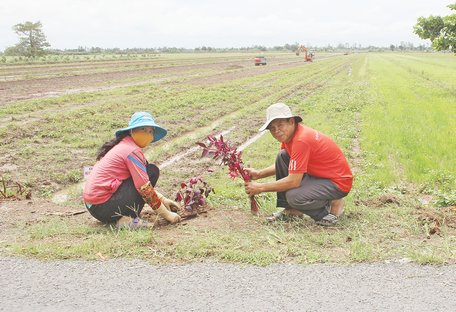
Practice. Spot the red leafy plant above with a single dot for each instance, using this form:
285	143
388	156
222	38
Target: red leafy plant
231	157
194	194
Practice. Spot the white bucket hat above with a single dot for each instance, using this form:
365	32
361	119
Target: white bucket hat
276	111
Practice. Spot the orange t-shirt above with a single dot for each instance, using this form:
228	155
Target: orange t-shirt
314	153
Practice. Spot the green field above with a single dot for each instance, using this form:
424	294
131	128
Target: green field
394	116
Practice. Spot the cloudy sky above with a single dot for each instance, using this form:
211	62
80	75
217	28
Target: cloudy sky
228	23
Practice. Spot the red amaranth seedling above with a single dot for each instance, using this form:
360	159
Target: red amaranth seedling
194	194
231	157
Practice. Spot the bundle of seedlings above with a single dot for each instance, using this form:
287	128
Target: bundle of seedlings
192	196
231	157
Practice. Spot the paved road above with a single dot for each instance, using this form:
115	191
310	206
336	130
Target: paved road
121	285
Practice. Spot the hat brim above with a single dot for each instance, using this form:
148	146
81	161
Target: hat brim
159	132
266	124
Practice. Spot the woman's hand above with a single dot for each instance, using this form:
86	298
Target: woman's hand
171	204
253	173
252	188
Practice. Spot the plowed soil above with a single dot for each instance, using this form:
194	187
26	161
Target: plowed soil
23	82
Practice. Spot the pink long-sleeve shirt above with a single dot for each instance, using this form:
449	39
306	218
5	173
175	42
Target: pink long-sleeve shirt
123	161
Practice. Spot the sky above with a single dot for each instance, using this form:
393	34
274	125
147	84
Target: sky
220	24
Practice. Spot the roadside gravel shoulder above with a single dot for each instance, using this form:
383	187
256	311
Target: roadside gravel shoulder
133	285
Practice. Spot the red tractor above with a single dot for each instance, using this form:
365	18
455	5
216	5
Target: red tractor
260	60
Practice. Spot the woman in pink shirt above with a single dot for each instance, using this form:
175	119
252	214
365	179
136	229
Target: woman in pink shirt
122	180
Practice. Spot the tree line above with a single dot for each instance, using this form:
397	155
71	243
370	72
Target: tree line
441	31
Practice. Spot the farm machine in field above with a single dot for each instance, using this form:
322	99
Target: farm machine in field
308	56
260	60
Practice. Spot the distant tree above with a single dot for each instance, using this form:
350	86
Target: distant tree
341	46
291	47
261	48
440	30
32	40
99	50
15	50
392	47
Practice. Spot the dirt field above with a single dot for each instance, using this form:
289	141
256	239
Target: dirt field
57	80
198	97
20	88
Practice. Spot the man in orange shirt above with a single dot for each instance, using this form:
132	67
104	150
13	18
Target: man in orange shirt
312	174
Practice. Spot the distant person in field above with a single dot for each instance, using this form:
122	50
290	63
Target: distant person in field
312	174
122	180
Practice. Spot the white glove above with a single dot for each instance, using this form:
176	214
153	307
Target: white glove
169	216
171	205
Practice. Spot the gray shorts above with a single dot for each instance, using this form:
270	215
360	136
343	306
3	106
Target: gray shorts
313	197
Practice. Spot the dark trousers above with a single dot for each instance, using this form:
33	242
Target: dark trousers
126	201
313	197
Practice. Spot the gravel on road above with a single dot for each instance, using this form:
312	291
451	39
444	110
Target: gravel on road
134	285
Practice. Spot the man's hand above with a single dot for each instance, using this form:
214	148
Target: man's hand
252	188
253	173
